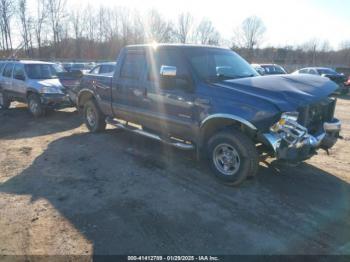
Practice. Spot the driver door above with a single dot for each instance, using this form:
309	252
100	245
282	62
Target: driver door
170	99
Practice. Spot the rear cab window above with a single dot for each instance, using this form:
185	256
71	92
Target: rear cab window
133	65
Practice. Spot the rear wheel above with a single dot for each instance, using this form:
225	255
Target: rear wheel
233	156
36	108
5	101
94	118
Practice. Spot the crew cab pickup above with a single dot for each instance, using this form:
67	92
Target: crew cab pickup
211	100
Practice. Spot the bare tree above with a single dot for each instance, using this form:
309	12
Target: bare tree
138	30
312	47
184	26
90	23
6	12
79	22
159	29
250	34
39	22
26	26
56	13
206	34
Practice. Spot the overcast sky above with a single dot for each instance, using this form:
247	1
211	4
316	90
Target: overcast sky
287	22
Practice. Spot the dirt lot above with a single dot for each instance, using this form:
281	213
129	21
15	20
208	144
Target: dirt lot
65	191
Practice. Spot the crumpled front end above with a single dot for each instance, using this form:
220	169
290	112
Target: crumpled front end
298	135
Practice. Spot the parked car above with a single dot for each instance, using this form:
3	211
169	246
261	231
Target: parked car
80	67
211	100
67	66
333	75
72	81
258	69
103	68
33	82
273	69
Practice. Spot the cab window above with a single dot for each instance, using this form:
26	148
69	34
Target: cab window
133	65
168	58
105	69
18	72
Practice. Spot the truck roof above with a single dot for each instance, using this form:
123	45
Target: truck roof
185	46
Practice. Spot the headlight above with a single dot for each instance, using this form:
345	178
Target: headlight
51	90
292	116
285	118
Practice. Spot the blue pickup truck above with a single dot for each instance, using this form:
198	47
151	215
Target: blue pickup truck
211	100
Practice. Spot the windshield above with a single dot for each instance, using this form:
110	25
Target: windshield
218	64
41	71
326	71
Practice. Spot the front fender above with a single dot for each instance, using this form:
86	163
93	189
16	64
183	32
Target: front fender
229	117
83	96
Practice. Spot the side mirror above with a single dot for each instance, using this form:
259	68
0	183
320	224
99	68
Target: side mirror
168	71
20	77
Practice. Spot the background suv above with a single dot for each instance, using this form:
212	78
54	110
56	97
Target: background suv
33	82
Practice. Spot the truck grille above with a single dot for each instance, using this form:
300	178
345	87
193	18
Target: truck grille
313	116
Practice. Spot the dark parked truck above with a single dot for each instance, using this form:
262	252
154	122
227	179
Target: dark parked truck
211	100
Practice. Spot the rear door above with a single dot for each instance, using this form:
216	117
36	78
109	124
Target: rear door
128	94
6	82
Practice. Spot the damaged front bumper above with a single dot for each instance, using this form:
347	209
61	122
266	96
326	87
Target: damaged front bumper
292	142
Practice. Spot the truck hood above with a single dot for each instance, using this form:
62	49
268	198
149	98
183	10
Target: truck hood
286	92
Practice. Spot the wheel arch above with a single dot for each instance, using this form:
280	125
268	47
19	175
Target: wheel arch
31	91
84	96
218	122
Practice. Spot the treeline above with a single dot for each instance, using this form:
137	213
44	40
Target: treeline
89	33
293	58
52	32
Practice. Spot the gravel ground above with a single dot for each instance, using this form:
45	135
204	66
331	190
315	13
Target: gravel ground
66	191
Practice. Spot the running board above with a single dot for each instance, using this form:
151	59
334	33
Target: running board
177	144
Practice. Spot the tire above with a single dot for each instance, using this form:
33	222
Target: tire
232	156
93	117
5	101
36	108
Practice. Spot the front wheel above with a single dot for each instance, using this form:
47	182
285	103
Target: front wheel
5	101
233	156
36	108
94	118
